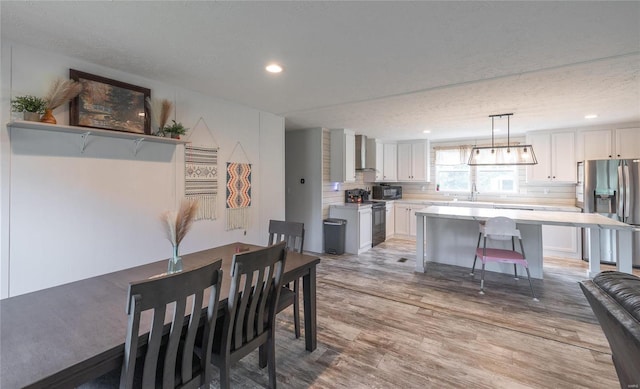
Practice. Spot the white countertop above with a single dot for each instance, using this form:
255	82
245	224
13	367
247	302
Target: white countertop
491	204
354	206
572	219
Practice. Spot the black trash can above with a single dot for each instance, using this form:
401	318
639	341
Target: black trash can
334	236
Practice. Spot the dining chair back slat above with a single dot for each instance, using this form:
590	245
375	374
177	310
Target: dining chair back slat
290	232
293	234
256	280
181	290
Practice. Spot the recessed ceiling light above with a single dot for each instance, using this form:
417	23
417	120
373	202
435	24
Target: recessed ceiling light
592	116
426	132
274	68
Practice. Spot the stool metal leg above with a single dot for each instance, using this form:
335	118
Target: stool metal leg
531	285
473	268
482	280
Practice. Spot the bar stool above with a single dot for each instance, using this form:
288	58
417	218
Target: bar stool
501	228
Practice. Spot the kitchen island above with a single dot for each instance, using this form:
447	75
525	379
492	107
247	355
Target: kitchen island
449	235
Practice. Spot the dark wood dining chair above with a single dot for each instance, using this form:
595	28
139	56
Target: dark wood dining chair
293	234
248	324
179	358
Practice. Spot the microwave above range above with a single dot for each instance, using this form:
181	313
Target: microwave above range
386	192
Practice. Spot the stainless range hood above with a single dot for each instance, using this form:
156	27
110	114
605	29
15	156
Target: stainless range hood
361	154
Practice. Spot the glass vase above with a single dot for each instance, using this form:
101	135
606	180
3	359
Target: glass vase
175	262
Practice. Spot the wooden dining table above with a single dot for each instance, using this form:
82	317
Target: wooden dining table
69	334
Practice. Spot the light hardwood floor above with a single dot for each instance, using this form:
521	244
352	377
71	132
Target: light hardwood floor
380	325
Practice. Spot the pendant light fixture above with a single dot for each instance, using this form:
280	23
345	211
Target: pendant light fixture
502	155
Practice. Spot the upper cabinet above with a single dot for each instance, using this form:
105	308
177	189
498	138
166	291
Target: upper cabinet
390	162
383	156
343	156
621	143
556	154
413	161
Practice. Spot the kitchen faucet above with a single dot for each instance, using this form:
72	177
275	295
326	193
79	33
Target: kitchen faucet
474	192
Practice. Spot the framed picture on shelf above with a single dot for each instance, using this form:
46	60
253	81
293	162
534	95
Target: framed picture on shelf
109	104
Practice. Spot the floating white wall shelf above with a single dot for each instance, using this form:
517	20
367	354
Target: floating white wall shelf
86	132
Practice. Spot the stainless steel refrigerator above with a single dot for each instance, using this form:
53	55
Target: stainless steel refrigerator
612	188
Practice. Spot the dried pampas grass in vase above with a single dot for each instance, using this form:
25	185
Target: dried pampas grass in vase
61	91
177	225
159	111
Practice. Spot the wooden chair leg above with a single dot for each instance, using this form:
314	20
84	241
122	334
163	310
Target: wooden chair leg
296	308
225	375
262	356
271	360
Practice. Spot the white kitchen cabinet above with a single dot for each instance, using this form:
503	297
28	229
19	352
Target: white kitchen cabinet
390	162
390	227
413	161
627	141
405	218
365	219
358	232
343	156
621	143
382	155
556	155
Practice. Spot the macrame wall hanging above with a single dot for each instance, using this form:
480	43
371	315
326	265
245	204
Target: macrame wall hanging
238	192
201	175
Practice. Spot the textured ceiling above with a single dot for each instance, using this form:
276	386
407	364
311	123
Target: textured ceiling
384	69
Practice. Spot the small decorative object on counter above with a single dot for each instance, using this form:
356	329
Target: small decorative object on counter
175	129
178	224
60	92
30	106
158	114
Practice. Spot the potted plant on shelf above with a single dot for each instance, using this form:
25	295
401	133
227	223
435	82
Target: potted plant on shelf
175	129
30	106
159	114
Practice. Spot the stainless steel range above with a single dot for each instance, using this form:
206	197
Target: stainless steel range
379	222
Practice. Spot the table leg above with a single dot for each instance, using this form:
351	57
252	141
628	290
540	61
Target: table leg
309	294
594	252
624	262
420	220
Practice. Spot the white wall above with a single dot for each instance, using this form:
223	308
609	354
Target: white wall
68	215
304	201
